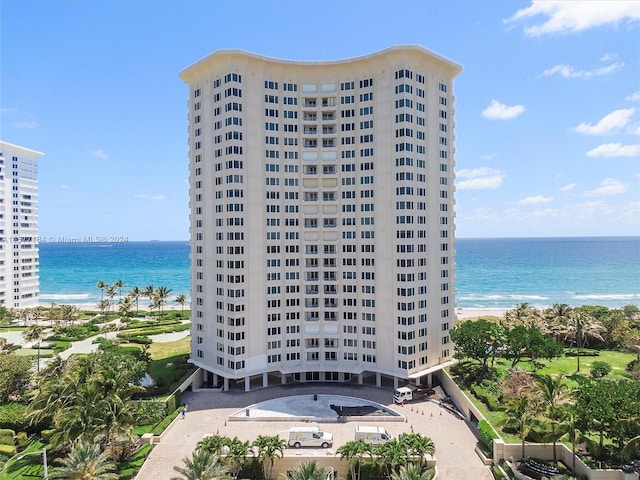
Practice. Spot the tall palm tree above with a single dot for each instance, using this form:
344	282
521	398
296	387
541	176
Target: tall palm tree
413	471
553	393
181	300
212	443
269	448
34	334
162	296
85	462
119	285
102	286
111	293
201	466
149	292
53	313
135	293
580	327
354	452
307	471
521	412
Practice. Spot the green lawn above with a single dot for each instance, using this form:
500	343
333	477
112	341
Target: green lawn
33	352
163	350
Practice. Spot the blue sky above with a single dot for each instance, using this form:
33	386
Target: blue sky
547	106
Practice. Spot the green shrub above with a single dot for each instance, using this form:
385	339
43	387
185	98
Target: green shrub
486	434
490	400
46	435
140	340
162	425
14	416
173	401
22	439
7	432
8	450
60	346
600	369
127	470
7	440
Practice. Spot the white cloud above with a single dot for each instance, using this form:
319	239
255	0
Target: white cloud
608	56
535	200
609	186
614	150
65	186
500	111
545	212
570	16
25	124
488	156
634	129
145	196
568	187
99	154
479	179
615	120
567	71
634	97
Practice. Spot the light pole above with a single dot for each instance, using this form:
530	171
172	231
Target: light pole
44	460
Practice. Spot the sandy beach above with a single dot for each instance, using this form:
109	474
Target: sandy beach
463	313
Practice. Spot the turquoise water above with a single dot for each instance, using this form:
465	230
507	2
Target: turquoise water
491	273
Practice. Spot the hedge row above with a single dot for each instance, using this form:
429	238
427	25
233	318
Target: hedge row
486	397
486	434
129	469
153	331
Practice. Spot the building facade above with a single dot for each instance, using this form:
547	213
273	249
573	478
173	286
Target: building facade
19	265
322	216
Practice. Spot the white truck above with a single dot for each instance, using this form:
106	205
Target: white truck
309	437
374	435
411	392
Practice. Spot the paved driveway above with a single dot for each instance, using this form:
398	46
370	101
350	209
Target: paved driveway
209	412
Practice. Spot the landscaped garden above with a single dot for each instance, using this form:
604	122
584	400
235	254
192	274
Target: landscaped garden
88	411
534	379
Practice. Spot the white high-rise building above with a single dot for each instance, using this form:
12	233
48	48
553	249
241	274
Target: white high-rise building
322	216
19	279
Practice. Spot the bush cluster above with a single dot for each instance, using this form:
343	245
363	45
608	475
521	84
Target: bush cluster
486	435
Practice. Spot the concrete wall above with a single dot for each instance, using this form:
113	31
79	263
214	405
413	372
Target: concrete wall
458	396
510	451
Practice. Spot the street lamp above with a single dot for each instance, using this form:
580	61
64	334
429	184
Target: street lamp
44	460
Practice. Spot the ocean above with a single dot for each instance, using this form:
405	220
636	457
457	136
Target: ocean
491	273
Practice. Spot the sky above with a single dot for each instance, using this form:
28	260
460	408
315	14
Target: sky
547	105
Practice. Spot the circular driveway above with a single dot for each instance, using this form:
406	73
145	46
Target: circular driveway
209	413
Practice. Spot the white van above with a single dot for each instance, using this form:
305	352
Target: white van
373	435
309	437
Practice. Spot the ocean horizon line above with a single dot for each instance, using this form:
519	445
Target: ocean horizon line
80	239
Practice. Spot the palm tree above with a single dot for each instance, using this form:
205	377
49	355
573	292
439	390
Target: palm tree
557	316
103	306
135	293
521	411
111	293
269	448
125	306
201	466
307	471
34	334
569	425
391	455
580	327
161	294
181	300
413	471
149	292
102	286
237	455
354	452
418	446
85	462
119	285
53	313
212	443
69	313
553	393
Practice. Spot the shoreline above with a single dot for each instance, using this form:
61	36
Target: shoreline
465	313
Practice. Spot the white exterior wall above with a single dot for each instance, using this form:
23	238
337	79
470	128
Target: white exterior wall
363	332
19	265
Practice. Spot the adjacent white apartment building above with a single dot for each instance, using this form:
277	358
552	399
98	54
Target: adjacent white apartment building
19	279
322	217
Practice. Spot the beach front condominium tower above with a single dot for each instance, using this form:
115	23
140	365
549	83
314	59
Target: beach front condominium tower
19	281
322	217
